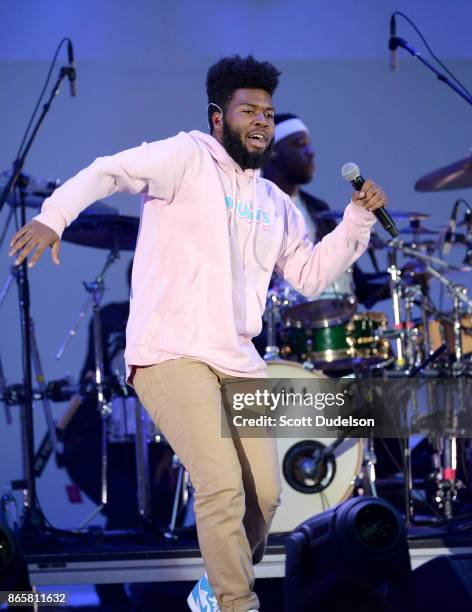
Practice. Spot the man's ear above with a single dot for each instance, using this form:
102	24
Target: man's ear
217	119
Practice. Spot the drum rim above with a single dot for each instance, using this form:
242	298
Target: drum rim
376	316
320	323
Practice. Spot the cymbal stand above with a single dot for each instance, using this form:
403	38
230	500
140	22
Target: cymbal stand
3	387
271	350
142	464
395	279
408	294
425	321
40	379
406	447
11	212
113	255
457	331
95	289
181	493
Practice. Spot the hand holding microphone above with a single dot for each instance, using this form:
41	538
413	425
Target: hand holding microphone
370	196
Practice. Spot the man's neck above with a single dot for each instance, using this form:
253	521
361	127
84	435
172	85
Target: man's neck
292	189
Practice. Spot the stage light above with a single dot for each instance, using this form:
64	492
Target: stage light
12	566
354	552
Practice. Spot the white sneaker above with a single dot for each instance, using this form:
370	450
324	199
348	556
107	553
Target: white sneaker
202	598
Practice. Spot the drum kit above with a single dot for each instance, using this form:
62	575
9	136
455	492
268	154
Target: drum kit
329	336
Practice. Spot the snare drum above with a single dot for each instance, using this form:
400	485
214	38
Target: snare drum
335	347
302	497
316	323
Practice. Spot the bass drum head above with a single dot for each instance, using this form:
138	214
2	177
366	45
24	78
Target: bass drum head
302	494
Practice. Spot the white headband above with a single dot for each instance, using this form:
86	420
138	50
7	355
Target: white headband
288	127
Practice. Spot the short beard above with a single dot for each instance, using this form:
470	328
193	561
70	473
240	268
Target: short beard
235	148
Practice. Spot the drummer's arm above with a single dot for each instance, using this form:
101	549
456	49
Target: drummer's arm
156	169
311	268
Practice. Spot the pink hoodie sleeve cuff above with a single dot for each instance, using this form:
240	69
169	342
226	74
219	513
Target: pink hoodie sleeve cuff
359	216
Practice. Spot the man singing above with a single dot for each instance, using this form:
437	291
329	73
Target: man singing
212	231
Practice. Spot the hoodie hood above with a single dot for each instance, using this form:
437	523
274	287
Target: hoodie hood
219	153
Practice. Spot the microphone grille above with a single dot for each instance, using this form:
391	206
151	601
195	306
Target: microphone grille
350	171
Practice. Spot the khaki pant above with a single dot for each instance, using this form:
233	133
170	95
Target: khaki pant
236	480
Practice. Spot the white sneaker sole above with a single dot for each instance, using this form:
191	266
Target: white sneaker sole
191	604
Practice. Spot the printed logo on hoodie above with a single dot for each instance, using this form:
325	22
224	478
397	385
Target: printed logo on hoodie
245	210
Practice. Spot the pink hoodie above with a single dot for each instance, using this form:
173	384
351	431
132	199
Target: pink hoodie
203	264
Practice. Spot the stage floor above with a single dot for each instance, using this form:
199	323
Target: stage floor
128	557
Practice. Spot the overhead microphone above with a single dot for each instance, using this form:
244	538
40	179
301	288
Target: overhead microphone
351	173
71	73
392	43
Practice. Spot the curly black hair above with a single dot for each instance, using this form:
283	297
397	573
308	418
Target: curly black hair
235	72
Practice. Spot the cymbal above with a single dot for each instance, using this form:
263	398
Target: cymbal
376	242
417	229
395	214
457	175
103	231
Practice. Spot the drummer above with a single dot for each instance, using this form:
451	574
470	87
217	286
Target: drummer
291	165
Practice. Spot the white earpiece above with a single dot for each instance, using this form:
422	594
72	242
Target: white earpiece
218	107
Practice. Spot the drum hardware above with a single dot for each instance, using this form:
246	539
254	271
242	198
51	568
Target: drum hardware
405	442
32	516
409	294
181	494
459	295
416	229
3	388
271	350
320	314
95	289
34	190
395	278
36	362
142	466
368	477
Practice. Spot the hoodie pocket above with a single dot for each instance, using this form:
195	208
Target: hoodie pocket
214	311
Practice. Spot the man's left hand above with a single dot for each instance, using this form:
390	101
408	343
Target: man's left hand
370	197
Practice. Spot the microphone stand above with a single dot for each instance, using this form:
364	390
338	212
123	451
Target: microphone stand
32	517
396	41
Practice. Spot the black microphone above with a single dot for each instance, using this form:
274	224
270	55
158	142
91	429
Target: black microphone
352	174
449	238
392	43
71	73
